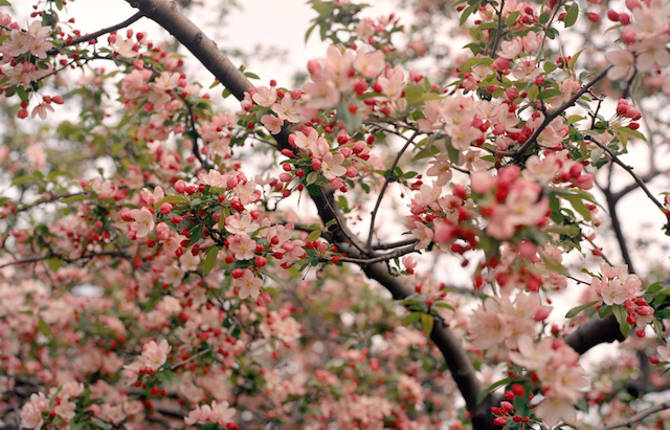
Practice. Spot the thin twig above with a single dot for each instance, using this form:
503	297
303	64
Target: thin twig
68	260
393	245
191	358
384	257
387	179
639	416
494	47
95	35
630	171
553	115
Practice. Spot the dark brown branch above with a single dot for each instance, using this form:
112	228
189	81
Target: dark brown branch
451	348
631	187
95	35
594	332
518	154
392	245
494	46
165	14
384	257
38	258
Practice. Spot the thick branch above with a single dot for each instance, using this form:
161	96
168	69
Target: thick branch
595	332
166	15
451	348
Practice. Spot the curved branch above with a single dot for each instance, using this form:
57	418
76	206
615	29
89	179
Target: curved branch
639	416
387	180
630	171
548	118
451	348
595	332
165	14
95	35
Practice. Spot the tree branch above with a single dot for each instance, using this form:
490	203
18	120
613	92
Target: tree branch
95	35
518	154
630	171
594	332
639	416
165	14
387	179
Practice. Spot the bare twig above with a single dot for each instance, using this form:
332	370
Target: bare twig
638	416
191	358
387	180
68	260
630	171
95	35
384	257
518	154
392	245
494	46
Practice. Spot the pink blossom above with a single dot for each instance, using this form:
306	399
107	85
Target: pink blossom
248	285
242	246
623	62
369	64
265	96
272	123
393	83
154	354
31	412
143	223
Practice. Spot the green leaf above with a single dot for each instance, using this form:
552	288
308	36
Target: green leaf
577	309
633	133
553	92
314	235
320	7
554	265
22	179
251	75
549	67
174	199
576	201
55	264
444	305
412	318
621	314
309	31
44	328
544	18
491	388
427	323
210	259
467	12
5	3
454	154
572	12
73	199
413	94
